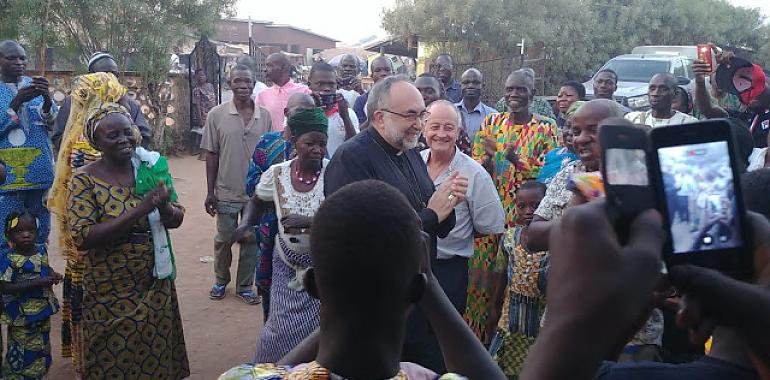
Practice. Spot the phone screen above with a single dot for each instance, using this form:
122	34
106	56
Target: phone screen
700	197
626	167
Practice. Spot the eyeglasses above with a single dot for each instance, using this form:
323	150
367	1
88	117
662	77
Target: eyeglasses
413	117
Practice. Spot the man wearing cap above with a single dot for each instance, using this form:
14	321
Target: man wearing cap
101	62
738	77
26	114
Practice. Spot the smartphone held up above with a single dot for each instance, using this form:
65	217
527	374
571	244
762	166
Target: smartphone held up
690	174
706	55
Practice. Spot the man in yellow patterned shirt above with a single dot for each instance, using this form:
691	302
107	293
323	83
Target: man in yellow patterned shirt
512	147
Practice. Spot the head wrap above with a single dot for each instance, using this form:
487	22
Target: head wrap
97	56
311	120
89	92
96	116
573	108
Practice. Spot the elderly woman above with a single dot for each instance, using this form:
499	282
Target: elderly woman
89	92
119	208
480	213
295	189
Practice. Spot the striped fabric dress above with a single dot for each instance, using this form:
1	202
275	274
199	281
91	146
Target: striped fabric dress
530	142
294	314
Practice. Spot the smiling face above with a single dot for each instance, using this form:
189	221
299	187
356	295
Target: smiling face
242	84
567	95
518	92
441	128
115	137
401	132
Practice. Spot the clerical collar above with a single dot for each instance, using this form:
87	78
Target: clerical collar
389	149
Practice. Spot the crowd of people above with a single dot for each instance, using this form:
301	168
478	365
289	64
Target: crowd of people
409	231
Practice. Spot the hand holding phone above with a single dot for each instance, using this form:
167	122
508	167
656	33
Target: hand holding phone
328	100
694	169
626	179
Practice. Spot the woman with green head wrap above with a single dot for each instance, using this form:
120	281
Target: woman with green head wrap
295	189
564	154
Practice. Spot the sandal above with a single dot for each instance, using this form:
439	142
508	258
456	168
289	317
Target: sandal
217	292
250	297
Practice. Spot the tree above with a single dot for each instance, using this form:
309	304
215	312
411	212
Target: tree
139	33
579	35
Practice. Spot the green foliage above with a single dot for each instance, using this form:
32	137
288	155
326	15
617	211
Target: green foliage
140	34
579	35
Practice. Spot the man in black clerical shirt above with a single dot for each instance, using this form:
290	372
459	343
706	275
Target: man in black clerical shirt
386	152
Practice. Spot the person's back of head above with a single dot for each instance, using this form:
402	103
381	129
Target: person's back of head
366	247
744	142
756	187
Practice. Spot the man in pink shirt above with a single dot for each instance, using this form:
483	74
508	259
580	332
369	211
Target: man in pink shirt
274	99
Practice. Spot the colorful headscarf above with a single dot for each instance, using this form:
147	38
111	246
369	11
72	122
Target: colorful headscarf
96	116
89	92
311	120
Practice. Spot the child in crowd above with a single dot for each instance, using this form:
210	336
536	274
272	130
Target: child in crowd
25	282
520	287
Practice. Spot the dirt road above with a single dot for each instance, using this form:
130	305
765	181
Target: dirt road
219	334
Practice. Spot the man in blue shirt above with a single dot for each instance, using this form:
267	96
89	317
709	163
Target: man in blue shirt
26	115
474	111
445	74
381	68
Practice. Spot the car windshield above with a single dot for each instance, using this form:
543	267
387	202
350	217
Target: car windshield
636	70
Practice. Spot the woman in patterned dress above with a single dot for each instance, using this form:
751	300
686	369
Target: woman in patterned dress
512	146
131	324
295	189
89	92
